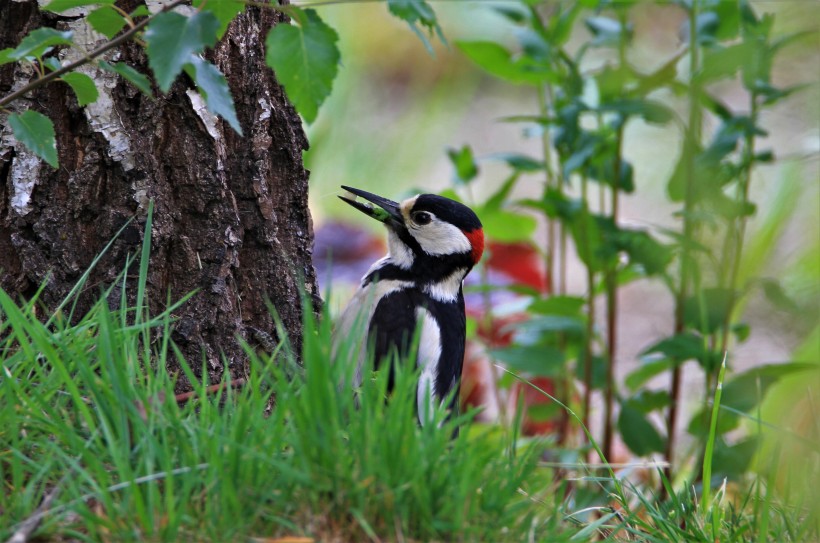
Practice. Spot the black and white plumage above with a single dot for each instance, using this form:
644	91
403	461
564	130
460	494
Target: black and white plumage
433	243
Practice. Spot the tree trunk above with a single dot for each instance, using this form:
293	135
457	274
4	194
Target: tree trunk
231	218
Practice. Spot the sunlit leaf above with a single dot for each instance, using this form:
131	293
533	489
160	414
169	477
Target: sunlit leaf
305	59
106	20
508	226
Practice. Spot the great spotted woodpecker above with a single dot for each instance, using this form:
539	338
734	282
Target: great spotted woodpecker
433	243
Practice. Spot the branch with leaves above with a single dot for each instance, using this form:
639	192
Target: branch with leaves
304	56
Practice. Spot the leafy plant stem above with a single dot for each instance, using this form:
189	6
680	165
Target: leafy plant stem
549	253
51	76
590	327
691	137
612	303
738	232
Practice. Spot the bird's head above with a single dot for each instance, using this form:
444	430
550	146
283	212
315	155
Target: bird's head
426	229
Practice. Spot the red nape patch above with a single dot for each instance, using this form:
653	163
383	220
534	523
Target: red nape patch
476	238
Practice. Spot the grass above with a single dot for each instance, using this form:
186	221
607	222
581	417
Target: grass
91	425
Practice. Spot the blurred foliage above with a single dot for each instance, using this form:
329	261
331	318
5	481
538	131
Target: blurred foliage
584	82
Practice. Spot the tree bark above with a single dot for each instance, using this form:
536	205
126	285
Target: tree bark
230	212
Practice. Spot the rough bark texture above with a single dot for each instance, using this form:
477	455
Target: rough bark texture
231	216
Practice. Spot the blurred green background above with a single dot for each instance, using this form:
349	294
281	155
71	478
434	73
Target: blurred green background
395	109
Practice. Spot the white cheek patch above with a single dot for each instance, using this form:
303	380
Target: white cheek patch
441	238
399	253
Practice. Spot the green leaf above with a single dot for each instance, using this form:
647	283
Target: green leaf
637	432
733	460
508	226
172	39
536	329
214	89
498	199
536	360
83	86
745	392
464	164
588	240
568	306
647	401
517	161
679	348
607	31
647	371
643	249
36	132
649	110
106	20
599	371
138	79
413	12
497	61
140	11
305	60
724	61
58	6
776	294
709	310
224	10
35	44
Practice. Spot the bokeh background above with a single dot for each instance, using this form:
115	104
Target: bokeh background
396	108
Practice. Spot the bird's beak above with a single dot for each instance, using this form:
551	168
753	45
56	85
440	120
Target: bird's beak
388	211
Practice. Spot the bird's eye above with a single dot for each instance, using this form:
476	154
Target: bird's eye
422	217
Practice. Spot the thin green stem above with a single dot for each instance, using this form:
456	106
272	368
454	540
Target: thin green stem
706	497
612	315
691	137
590	329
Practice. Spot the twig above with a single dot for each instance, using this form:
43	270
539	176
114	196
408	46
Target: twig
88	58
28	526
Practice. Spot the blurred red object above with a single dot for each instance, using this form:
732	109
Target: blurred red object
518	261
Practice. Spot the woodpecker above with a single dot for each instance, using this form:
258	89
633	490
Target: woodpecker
433	243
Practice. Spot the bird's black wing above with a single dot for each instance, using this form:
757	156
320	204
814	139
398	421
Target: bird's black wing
392	328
